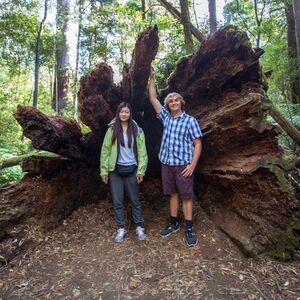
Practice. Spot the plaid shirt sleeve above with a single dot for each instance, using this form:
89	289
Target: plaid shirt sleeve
164	113
194	129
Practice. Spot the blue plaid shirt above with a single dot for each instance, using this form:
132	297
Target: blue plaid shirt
177	145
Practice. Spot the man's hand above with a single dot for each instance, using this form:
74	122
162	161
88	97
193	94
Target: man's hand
104	179
188	170
139	178
152	92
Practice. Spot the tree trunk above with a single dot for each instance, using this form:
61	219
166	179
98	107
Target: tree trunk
186	22
14	161
80	4
292	50
296	7
143	9
195	14
291	130
62	57
239	181
212	16
37	57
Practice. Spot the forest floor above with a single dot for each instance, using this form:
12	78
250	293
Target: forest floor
80	260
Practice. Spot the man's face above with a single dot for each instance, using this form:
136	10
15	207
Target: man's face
174	104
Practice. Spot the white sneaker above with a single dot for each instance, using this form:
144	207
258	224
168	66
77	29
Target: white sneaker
140	233
120	235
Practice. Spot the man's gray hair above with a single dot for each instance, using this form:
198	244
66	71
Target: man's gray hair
171	95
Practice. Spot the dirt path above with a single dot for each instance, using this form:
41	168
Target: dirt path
80	260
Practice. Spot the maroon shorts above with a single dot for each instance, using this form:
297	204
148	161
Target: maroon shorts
174	182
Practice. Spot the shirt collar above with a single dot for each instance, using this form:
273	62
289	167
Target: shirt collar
181	116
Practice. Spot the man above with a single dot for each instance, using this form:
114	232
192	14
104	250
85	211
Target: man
179	153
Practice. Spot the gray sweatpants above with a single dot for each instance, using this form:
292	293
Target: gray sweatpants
117	185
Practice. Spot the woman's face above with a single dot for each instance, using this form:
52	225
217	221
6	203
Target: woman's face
124	114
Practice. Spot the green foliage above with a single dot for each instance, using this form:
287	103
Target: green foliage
109	33
171	48
289	157
261	28
14	90
84	128
17	47
287	243
19	23
10	174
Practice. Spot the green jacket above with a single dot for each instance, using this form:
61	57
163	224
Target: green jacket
109	153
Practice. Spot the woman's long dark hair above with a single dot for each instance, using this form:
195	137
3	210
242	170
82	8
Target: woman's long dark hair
132	129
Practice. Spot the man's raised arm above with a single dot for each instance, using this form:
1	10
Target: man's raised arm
152	92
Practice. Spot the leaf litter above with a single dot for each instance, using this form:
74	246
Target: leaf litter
80	260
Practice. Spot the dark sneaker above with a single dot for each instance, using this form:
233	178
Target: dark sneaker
169	230
191	238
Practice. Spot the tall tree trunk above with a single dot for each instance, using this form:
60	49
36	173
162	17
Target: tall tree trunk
185	18
37	58
258	18
296	6
291	33
80	4
143	10
212	16
292	50
195	14
62	56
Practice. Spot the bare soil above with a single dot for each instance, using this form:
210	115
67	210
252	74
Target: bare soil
80	260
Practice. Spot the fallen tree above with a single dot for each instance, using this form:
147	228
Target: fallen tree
240	180
17	160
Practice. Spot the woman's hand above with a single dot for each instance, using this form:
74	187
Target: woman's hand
139	178
104	179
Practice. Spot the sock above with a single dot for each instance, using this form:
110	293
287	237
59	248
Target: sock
173	220
188	224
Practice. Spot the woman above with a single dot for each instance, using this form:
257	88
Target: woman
124	162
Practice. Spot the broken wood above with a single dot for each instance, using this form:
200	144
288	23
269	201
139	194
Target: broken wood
17	160
12	161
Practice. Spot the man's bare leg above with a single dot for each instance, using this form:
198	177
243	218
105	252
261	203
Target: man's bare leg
174	205
187	207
